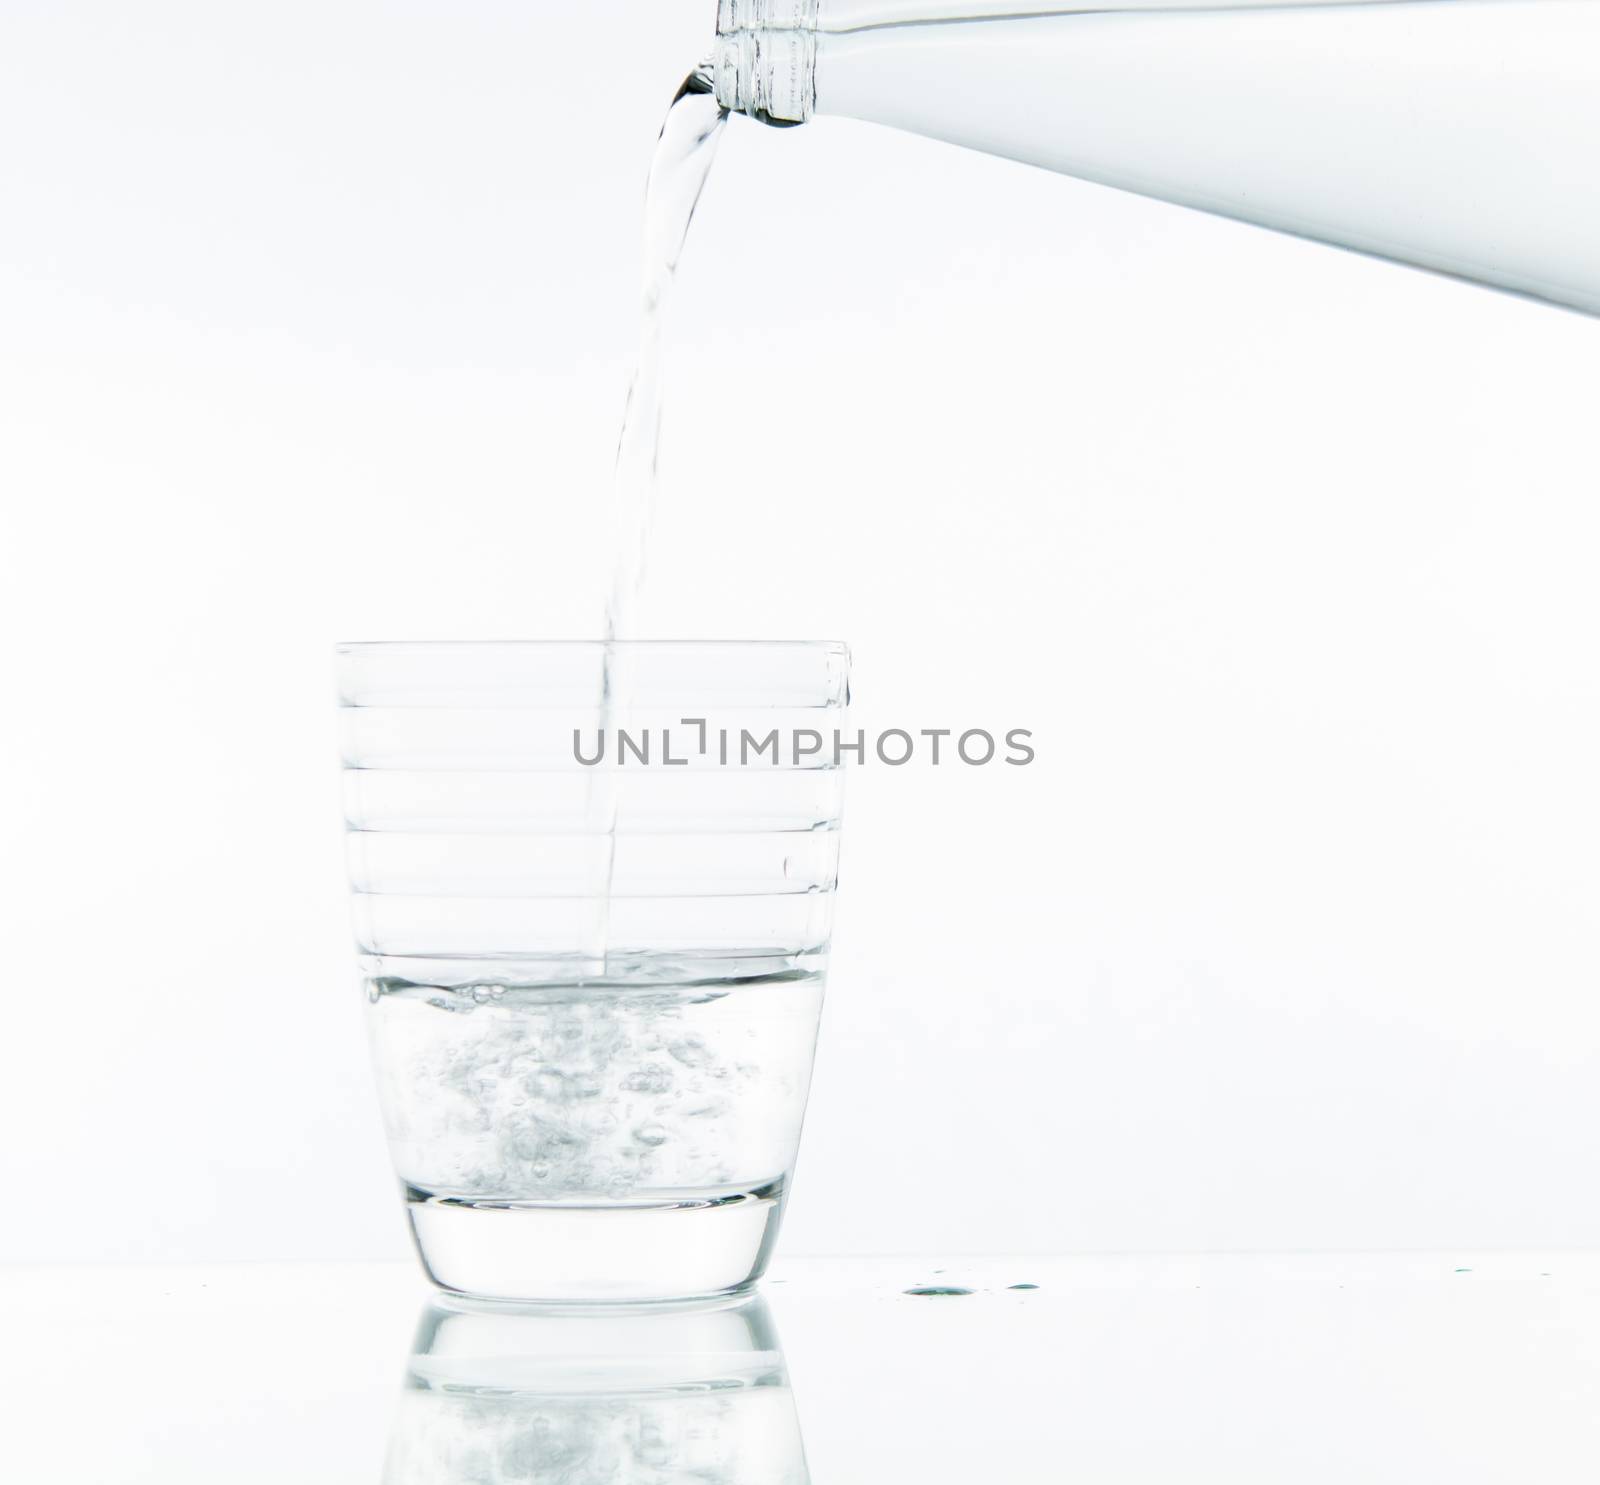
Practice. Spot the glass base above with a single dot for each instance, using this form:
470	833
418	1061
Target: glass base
548	1253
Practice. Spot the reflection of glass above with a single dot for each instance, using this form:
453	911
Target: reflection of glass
606	1395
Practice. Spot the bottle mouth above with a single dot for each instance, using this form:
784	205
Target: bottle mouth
766	15
769	75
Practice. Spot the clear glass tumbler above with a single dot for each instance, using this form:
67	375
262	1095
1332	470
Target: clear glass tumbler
593	891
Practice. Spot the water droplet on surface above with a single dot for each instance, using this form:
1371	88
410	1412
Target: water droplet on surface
1022	1286
930	1291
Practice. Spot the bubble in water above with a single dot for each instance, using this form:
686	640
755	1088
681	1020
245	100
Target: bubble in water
652	1448
550	1084
651	1078
690	1051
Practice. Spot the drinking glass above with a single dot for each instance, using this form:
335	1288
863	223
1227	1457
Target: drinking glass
593	888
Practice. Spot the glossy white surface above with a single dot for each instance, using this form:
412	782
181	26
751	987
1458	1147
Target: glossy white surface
1239	1369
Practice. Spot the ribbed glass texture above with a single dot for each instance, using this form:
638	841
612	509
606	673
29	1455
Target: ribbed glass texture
475	829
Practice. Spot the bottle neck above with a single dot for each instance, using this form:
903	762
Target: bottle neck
765	61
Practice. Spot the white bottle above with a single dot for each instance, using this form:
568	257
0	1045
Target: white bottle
1457	135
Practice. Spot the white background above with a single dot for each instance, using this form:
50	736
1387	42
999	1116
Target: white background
315	321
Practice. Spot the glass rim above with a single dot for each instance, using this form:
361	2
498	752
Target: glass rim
503	675
833	646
